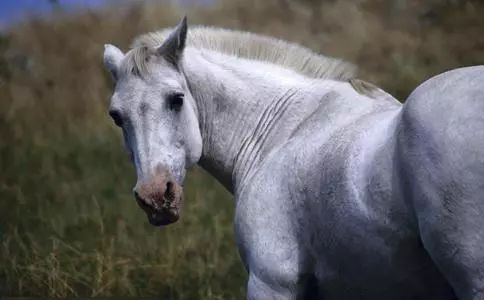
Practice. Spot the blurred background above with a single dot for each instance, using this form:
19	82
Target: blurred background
69	225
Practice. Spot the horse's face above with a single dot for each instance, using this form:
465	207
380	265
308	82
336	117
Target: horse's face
157	115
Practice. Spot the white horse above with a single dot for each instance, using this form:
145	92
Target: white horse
340	191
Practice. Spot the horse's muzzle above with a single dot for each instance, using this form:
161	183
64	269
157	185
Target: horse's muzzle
161	198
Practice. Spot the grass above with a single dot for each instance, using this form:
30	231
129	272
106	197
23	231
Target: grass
71	228
68	223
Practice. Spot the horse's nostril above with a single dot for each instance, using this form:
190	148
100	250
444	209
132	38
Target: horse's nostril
169	186
170	190
161	198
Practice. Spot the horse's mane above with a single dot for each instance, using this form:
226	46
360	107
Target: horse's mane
245	45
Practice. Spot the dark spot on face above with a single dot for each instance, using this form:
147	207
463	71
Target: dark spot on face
143	108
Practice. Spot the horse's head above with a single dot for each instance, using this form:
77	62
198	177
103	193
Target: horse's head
157	114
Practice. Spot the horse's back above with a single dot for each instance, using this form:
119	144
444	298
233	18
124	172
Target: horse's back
441	159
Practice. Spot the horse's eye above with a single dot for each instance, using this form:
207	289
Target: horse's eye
116	116
175	101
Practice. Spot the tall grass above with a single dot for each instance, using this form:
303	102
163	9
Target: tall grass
68	223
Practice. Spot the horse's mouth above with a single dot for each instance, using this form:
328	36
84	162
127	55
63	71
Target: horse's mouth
163	217
162	210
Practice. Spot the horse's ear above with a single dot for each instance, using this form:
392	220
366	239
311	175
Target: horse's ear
172	47
112	59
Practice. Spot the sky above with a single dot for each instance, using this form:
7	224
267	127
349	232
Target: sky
12	10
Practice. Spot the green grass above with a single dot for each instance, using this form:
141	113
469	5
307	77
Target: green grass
69	225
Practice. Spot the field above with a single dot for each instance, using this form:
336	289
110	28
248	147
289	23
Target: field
69	225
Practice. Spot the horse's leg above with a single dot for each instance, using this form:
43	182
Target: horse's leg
305	288
257	289
271	259
267	241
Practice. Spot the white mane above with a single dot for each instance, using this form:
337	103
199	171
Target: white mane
245	45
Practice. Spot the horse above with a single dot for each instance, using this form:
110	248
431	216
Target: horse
341	191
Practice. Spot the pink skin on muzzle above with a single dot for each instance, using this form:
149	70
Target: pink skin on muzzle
160	197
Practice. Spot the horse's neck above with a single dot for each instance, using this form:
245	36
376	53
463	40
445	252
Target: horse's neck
245	110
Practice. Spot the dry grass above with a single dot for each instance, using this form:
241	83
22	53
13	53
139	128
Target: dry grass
68	224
